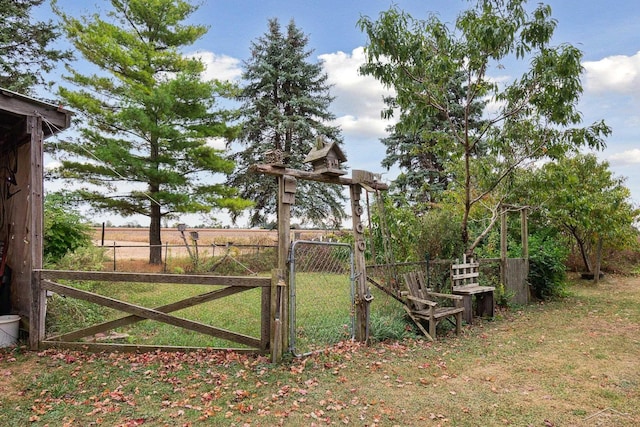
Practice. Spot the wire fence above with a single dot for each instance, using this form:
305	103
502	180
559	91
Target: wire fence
226	259
321	295
437	274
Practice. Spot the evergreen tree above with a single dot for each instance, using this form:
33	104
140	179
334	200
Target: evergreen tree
412	144
25	52
148	118
285	106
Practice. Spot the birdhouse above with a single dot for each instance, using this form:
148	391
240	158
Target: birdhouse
326	158
275	157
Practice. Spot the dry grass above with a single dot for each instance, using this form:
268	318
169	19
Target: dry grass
572	362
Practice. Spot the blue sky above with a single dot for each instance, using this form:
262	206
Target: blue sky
606	32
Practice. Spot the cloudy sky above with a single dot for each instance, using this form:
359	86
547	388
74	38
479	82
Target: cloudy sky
606	32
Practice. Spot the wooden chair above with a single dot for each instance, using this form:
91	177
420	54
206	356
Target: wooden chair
422	305
464	281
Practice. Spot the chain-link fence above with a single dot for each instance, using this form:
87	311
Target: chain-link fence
321	295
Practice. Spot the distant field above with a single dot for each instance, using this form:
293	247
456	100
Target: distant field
127	239
205	235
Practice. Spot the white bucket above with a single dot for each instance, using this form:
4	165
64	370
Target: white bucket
9	330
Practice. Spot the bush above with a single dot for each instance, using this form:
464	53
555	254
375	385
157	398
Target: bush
85	258
440	235
547	257
64	229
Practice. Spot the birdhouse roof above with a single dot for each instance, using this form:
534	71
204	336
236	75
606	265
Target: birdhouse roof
322	152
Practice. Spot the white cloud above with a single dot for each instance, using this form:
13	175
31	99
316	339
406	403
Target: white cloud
51	164
221	67
217	143
625	158
617	73
358	99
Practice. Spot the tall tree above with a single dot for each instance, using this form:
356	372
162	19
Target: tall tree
285	106
531	116
412	146
146	122
581	196
25	46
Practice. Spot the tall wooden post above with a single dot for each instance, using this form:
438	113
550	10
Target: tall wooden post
524	236
36	203
503	247
362	297
280	292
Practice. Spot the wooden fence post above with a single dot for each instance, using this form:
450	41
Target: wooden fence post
362	298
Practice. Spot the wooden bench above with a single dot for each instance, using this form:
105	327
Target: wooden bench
464	281
422	305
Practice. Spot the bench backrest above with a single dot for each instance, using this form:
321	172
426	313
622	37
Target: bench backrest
465	273
415	285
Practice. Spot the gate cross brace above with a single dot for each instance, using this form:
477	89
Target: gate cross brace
141	313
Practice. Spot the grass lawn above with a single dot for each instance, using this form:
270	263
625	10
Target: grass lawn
573	362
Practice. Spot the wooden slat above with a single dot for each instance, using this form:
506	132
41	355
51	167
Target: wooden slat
128	320
150	314
133	348
182	279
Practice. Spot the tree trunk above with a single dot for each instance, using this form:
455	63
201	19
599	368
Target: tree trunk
155	242
583	253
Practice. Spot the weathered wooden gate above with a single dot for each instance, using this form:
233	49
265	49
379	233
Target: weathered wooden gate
224	286
514	271
515	276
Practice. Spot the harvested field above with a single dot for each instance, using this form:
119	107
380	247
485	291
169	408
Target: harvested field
132	243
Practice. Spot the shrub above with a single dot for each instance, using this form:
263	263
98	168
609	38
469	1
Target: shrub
64	229
85	258
547	275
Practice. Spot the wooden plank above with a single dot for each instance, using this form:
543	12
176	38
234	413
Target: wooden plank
151	314
310	176
128	320
135	348
265	318
516	280
182	279
25	106
36	209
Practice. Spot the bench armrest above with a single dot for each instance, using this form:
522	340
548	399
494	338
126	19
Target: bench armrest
449	296
422	301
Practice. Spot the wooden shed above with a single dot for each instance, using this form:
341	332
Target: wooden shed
24	124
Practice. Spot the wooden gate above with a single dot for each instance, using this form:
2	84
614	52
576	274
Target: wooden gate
515	279
45	280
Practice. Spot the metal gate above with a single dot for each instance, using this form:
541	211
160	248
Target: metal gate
321	295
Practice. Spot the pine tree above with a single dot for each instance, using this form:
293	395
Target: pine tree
146	121
25	52
413	145
285	106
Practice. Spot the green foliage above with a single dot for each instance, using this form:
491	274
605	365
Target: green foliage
83	258
285	107
148	116
25	46
547	257
400	233
68	314
65	230
394	237
386	325
537	113
439	234
581	196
